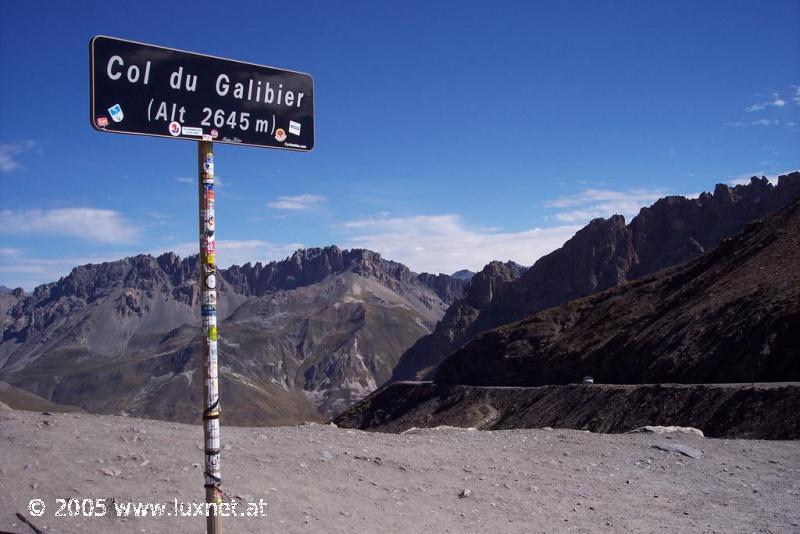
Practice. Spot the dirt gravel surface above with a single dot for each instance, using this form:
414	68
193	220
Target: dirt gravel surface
318	478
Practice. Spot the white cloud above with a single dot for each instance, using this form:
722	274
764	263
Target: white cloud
90	224
296	202
236	252
776	102
760	122
441	243
592	203
8	153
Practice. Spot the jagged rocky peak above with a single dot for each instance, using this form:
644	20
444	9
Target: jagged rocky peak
308	352
485	285
463	274
688	336
308	266
603	254
144	272
446	287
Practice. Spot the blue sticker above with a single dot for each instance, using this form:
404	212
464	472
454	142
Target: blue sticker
116	113
209	310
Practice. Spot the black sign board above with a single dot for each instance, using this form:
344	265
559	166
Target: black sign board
143	89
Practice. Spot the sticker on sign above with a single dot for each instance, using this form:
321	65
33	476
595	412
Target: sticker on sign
175	94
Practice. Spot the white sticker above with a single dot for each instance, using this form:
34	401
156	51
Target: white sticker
294	128
191	130
116	113
211	281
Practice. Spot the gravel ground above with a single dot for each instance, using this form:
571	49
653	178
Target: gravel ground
317	478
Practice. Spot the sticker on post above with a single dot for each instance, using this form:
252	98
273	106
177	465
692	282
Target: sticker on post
211	281
116	113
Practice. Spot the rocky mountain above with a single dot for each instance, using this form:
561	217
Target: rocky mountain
732	315
9	297
463	274
299	338
482	288
720	324
603	254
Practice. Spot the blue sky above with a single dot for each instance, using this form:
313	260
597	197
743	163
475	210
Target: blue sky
447	133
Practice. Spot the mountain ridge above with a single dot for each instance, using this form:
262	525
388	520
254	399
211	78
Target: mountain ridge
604	253
731	315
298	336
713	343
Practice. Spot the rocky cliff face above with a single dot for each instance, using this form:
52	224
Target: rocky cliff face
483	287
732	315
299	337
604	254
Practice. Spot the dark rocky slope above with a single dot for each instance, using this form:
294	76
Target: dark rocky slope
732	315
604	254
299	338
752	411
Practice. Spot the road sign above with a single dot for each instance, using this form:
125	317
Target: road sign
143	89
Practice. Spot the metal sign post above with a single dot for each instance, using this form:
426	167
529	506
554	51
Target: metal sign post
142	89
208	296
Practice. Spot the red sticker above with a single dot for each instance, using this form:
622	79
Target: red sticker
102	122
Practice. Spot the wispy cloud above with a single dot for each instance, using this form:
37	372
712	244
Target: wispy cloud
442	243
592	203
296	202
775	102
90	224
9	153
759	122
